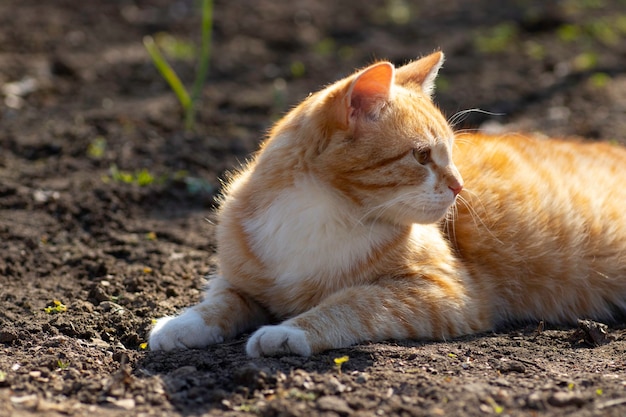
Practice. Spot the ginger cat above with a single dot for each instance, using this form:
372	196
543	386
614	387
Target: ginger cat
352	223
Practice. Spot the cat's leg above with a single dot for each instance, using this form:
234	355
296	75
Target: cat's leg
223	314
373	313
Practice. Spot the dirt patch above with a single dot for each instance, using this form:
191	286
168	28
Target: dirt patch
84	102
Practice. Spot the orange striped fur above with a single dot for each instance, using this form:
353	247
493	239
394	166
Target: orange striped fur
348	226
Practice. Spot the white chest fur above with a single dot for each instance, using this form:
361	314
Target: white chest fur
308	233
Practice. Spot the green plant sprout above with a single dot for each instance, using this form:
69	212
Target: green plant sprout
498	409
58	307
246	408
299	395
97	148
339	362
187	101
62	365
142	177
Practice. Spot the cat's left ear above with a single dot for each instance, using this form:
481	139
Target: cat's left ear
369	91
422	72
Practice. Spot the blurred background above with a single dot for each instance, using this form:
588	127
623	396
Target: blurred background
552	66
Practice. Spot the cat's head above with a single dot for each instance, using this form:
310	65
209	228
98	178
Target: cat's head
378	140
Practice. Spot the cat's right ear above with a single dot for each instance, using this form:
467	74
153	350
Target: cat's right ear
369	92
422	72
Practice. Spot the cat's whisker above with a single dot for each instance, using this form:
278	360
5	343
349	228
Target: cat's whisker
402	210
450	220
475	197
474	214
460	116
381	208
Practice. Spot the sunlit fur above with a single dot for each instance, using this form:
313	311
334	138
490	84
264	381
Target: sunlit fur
346	227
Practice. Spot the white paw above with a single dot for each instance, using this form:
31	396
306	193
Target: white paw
187	331
278	340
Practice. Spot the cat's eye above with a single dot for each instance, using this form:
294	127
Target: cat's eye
422	155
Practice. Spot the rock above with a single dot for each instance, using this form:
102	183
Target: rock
564	399
502	382
98	294
511	366
592	333
477	388
536	401
362	378
250	376
336	404
111	307
302	380
334	386
8	335
124	403
25	401
99	343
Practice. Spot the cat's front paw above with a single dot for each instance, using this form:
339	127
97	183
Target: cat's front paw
278	340
187	331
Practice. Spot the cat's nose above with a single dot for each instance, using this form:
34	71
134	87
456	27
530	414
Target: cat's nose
456	188
454	180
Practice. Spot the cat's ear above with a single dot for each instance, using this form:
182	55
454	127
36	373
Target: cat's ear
422	72
369	91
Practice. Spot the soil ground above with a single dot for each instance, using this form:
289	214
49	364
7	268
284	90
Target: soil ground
104	199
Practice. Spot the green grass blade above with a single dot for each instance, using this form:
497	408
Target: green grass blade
203	65
168	73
